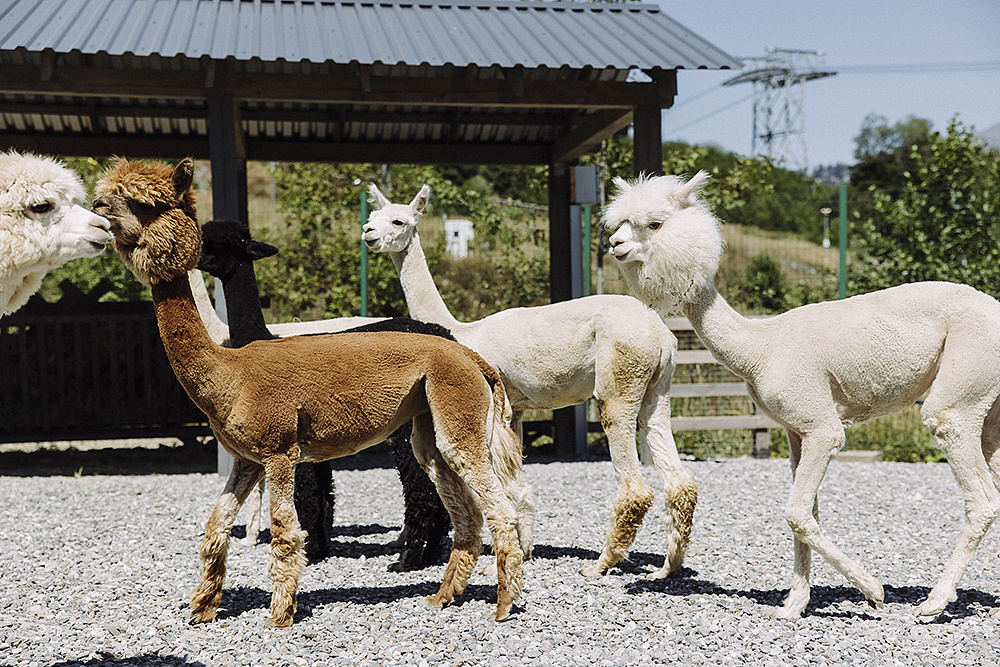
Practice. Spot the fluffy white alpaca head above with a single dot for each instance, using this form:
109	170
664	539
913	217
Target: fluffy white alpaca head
42	225
664	238
391	227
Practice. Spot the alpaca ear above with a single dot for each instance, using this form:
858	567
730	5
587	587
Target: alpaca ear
692	187
620	183
259	250
377	197
183	176
419	203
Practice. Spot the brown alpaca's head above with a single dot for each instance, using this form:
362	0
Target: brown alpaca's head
151	210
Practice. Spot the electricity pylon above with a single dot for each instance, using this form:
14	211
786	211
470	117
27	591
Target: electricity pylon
778	105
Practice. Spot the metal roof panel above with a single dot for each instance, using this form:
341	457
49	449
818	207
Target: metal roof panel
484	33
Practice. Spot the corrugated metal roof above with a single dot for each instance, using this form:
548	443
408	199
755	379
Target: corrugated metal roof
483	33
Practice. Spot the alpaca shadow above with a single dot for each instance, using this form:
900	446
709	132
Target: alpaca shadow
683	583
108	660
636	563
239	600
338	548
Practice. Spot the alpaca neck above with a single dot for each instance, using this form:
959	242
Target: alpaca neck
197	361
246	321
727	334
422	297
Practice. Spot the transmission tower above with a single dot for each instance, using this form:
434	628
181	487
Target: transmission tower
779	122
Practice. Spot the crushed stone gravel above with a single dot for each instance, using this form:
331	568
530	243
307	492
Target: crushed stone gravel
96	572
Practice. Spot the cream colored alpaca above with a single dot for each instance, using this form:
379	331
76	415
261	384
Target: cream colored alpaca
610	347
42	225
821	367
275	403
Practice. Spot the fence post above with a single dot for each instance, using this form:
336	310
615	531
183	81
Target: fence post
364	256
586	249
842	278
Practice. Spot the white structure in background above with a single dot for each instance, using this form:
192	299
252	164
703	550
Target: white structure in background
459	233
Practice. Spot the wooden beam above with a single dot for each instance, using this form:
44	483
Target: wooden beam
397	152
590	132
462	92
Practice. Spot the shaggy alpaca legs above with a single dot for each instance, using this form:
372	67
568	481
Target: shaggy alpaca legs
425	521
215	546
287	541
680	489
463	502
817	450
634	496
956	437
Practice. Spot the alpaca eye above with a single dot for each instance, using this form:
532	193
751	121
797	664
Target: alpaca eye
398	223
44	207
656	224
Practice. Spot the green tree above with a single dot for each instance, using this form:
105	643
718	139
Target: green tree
942	224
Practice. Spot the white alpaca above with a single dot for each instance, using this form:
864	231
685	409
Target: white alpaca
821	367
219	330
610	347
42	225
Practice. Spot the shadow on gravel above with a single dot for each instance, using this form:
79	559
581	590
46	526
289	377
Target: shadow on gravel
237	601
969	603
148	659
194	457
342	548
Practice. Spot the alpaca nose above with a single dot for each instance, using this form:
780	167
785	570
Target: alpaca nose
101	206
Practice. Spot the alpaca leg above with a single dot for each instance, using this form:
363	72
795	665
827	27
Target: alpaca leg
520	494
215	546
253	525
818	449
634	495
466	517
798	593
957	438
477	473
287	541
680	488
314	507
425	520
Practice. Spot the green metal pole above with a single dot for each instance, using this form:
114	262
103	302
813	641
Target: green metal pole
586	249
842	279
364	257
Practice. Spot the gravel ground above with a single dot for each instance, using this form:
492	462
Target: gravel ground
97	570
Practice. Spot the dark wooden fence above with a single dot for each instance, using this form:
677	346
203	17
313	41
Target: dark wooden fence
79	370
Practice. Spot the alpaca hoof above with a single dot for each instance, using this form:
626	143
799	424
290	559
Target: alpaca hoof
203	616
662	573
503	611
281	621
437	601
592	572
926	610
784	613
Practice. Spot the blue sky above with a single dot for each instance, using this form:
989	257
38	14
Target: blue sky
856	35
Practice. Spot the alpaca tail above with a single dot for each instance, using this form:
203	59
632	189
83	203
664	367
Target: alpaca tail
506	454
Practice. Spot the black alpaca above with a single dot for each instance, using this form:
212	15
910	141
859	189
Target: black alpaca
228	253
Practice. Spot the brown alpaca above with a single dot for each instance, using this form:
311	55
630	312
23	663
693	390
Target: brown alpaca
275	403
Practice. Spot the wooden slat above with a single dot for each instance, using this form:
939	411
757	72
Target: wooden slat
695	357
706	389
722	423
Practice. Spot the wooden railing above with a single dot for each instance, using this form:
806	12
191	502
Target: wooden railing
757	422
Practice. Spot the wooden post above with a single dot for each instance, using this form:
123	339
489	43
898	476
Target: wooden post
565	277
647	140
227	152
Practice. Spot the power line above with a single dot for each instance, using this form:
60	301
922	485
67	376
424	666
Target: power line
711	114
